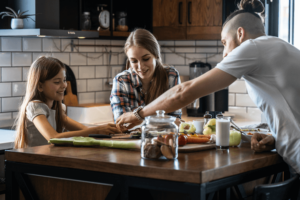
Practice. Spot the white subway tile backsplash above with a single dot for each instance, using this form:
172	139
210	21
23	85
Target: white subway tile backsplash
11	104
115	71
5	89
78	59
11	74
5	59
5	116
207	50
174	59
220	43
66	45
25	73
102	72
118	42
11	44
106	85
37	55
183	70
75	71
87	48
84	98
244	100
81	85
167	43
185	49
194	57
214	58
63	57
122	59
114	60
32	44
238	87
94	85
21	59
95	59
15	114
206	43
51	45
100	48
19	88
240	112
103	97
231	99
86	72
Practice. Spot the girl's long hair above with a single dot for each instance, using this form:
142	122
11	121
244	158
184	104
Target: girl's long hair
143	38
41	70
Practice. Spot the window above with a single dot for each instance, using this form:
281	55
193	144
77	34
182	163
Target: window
283	21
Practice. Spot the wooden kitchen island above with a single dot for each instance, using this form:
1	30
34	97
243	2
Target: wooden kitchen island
197	174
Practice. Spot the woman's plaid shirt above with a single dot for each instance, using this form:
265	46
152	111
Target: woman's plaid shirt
126	92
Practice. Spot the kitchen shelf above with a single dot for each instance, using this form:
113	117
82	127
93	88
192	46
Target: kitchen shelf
121	34
104	33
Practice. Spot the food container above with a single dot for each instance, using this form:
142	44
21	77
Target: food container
121	23
159	137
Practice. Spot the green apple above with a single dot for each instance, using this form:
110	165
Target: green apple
234	138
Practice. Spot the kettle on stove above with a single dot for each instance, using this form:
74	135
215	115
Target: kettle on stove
218	100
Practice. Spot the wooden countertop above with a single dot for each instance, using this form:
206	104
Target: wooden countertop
197	167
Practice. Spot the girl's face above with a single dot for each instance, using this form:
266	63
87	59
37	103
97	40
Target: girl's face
54	88
142	62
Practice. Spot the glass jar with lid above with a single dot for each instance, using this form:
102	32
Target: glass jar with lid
85	21
160	137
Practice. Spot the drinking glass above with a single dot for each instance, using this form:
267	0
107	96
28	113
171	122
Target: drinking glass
198	125
222	133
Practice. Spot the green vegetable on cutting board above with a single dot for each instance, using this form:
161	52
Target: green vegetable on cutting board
88	141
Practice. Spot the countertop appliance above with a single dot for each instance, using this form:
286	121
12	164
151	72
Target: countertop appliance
53	18
216	101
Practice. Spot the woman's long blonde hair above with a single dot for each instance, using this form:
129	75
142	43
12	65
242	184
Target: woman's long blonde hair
143	38
41	70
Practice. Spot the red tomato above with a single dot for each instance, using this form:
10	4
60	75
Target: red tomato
182	140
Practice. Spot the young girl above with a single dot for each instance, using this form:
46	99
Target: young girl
42	114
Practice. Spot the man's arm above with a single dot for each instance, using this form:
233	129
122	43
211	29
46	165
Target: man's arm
185	93
182	94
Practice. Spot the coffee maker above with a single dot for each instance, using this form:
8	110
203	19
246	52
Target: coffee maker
217	101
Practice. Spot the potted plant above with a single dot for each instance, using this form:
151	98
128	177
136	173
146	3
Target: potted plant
17	17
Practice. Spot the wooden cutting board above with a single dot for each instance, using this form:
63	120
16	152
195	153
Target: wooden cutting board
195	147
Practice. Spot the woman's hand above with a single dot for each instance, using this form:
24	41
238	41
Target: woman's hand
106	129
128	117
262	142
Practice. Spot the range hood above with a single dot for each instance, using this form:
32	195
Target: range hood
53	18
51	33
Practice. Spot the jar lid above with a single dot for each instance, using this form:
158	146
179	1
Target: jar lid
86	13
160	117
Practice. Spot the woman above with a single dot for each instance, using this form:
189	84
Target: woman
145	79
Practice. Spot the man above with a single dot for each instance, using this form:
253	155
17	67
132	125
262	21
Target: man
271	70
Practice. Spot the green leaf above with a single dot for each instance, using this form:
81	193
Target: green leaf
16	15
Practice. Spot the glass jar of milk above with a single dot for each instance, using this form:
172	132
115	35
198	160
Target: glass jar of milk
222	132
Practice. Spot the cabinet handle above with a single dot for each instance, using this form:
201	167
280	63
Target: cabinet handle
179	12
189	12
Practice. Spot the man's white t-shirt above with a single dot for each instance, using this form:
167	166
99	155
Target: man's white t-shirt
271	69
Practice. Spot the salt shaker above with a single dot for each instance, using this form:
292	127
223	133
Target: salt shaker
207	117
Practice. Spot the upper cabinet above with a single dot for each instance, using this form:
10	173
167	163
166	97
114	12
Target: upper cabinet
187	19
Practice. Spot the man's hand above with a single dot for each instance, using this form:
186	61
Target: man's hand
128	117
262	142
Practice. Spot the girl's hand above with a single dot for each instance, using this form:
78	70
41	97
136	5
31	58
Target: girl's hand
262	142
106	129
128	117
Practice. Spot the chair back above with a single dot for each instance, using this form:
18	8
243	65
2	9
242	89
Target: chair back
280	191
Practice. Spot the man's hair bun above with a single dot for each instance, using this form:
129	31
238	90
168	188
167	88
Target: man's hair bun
251	6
